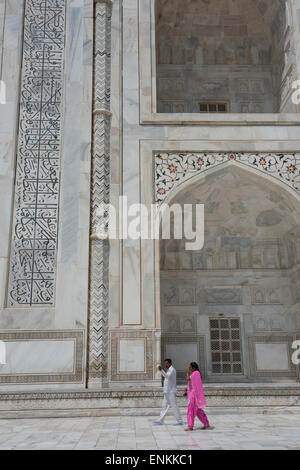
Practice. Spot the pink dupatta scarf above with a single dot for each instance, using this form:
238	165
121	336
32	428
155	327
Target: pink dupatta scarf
195	389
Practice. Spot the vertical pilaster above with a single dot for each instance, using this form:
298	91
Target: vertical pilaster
100	189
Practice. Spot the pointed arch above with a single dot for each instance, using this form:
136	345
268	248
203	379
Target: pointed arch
199	186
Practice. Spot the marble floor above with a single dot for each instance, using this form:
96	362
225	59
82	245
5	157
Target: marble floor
267	430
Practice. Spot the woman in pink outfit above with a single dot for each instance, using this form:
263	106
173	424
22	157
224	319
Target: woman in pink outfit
196	397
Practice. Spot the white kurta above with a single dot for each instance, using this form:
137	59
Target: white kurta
170	395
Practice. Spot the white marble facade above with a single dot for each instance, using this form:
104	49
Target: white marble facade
51	322
137	310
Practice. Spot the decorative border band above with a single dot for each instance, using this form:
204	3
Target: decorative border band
209	392
115	337
196	339
253	340
76	376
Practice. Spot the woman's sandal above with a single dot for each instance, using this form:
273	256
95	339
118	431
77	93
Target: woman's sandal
189	429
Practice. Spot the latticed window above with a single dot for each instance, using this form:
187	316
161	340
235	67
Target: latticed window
213	107
226	346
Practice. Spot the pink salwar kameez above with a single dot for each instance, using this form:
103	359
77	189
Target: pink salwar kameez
196	400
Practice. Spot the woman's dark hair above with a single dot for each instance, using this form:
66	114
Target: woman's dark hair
194	365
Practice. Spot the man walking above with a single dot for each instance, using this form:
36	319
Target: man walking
169	394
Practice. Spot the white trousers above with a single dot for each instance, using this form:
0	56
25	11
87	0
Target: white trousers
170	400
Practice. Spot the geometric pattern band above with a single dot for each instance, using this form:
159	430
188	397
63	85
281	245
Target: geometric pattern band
36	204
97	363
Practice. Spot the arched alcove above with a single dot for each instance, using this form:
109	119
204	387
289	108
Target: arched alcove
223	56
234	306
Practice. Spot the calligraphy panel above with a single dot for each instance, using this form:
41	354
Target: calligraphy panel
36	205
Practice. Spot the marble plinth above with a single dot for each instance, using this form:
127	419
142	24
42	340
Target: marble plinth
144	402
